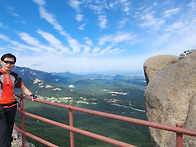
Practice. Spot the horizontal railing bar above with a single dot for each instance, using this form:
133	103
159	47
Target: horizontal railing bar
118	117
137	121
90	134
35	137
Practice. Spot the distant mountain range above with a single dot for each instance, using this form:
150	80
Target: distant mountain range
64	80
67	78
116	94
90	86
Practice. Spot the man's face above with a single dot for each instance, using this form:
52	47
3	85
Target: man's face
7	64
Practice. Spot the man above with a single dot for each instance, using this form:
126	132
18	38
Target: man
8	105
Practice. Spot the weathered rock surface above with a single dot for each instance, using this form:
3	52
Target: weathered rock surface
155	64
190	123
17	140
170	98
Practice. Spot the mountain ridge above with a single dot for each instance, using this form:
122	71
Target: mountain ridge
115	94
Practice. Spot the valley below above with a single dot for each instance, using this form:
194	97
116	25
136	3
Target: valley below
116	94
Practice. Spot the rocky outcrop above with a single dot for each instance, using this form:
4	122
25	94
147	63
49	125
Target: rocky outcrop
17	140
154	64
170	98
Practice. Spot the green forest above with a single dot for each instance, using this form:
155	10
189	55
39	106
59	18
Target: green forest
121	95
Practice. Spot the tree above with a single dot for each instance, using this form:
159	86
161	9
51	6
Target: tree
186	52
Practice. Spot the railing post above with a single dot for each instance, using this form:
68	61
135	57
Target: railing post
22	120
179	136
72	125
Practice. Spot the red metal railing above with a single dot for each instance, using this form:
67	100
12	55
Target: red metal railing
178	129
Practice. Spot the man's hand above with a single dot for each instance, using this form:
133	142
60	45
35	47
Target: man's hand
32	96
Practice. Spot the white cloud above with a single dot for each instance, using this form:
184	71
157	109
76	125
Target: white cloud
102	21
107	49
111	4
114	50
122	37
178	30
21	47
178	45
88	41
74	45
79	17
35	45
97	9
182	38
75	4
52	20
95	50
126	6
175	27
2	49
4	37
54	42
151	18
81	27
192	5
116	38
117	51
110	50
30	40
40	2
104	39
123	22
151	21
86	49
169	13
12	11
50	38
49	17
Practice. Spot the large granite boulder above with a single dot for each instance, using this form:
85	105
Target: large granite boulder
190	123
170	99
155	64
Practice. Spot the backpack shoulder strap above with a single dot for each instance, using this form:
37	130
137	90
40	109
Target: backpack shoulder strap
1	81
17	79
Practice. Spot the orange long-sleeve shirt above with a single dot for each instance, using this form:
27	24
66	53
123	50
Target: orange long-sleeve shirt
8	83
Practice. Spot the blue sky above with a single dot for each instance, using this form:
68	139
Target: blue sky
95	35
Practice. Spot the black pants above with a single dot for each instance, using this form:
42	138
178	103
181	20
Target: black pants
7	119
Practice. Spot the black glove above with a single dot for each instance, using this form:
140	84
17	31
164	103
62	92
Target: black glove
32	96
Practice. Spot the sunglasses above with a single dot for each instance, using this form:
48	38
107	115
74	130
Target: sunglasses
8	62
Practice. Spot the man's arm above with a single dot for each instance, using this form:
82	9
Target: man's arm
28	92
25	90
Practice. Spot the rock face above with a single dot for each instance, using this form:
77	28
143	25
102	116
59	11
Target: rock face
17	140
154	64
170	97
